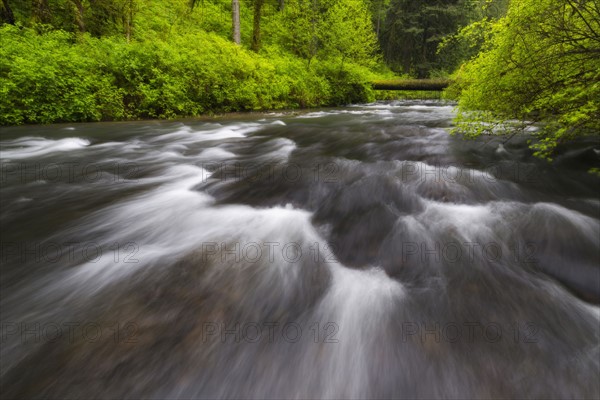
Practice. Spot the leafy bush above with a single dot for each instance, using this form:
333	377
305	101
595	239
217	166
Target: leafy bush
530	70
47	78
180	62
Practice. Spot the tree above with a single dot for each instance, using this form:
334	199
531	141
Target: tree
540	64
127	15
235	19
413	30
108	17
78	9
299	33
347	32
41	11
256	43
6	13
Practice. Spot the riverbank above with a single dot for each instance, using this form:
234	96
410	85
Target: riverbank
58	77
242	115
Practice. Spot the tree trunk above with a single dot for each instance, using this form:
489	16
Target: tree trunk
422	71
412	84
281	5
7	14
235	16
379	18
314	41
41	11
256	25
128	19
78	4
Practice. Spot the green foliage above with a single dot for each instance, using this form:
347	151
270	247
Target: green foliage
540	65
72	60
45	78
347	32
340	29
413	30
347	85
470	39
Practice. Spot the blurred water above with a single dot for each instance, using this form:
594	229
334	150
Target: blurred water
357	252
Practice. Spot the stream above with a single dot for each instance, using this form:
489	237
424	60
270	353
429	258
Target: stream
355	252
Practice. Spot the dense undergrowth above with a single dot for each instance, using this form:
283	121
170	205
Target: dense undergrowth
183	63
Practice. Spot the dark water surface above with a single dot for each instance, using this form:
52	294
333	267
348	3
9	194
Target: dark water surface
358	252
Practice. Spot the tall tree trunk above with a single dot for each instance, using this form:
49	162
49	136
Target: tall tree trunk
281	5
6	13
128	19
235	16
40	11
314	40
379	18
256	25
79	19
422	71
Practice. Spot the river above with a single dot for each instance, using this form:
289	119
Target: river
357	252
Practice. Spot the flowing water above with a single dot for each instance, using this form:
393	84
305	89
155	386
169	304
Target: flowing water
357	252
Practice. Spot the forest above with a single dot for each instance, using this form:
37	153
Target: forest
520	61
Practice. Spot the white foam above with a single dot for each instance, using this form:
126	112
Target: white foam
173	220
35	147
215	153
359	304
501	149
589	226
316	114
211	132
472	222
283	148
